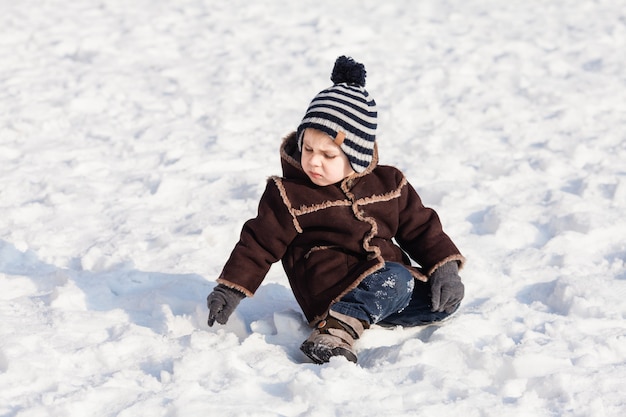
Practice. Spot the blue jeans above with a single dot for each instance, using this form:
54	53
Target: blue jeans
390	297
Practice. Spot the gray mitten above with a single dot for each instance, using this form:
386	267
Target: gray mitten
222	302
446	287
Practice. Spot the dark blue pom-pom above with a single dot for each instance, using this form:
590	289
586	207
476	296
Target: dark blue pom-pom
347	70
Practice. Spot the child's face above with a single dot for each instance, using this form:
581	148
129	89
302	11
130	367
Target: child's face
322	160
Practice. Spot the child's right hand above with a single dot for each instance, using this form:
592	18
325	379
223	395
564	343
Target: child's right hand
221	303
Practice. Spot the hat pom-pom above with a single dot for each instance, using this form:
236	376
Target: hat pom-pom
347	70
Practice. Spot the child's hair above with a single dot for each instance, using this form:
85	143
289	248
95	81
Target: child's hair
346	112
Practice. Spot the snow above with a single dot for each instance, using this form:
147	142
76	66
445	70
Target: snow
135	140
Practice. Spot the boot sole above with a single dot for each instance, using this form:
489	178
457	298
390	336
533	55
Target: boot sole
321	354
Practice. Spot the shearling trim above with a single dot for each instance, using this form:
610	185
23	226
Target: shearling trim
347	183
316	207
459	258
318	248
374	250
284	155
417	275
359	214
234	286
283	193
384	197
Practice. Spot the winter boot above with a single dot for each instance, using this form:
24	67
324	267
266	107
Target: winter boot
334	336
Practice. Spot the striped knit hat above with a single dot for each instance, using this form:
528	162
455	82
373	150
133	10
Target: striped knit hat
346	113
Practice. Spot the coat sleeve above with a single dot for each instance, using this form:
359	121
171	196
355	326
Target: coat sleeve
263	241
421	235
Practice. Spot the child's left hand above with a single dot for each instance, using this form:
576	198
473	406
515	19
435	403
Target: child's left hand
446	288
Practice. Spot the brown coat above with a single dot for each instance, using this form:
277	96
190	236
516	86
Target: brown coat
330	238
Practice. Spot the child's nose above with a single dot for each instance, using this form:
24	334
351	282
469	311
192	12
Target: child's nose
316	160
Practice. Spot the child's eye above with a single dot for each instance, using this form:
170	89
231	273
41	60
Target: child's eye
330	156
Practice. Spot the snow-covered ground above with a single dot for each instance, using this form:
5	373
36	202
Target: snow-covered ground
135	139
